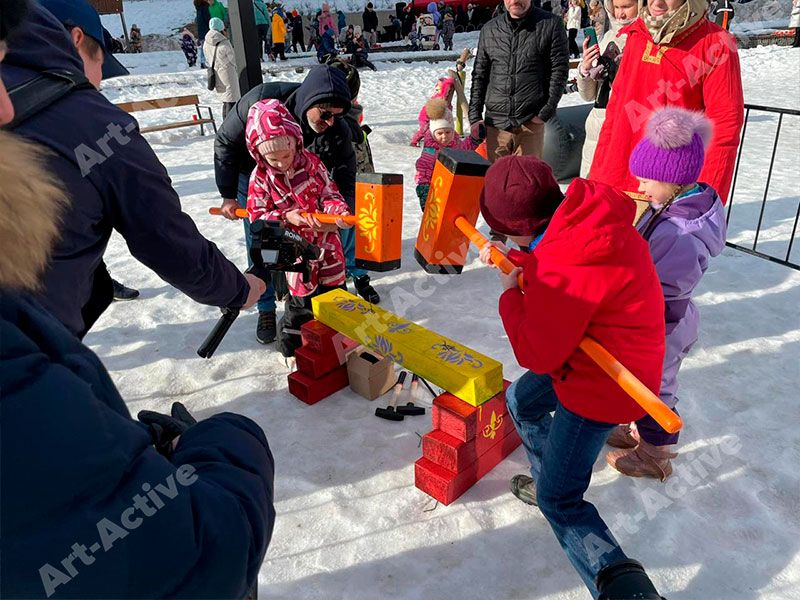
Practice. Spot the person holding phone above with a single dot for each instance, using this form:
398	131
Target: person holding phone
598	68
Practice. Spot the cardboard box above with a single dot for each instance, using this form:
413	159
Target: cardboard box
370	376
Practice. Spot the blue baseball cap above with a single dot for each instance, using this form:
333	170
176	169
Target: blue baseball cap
80	13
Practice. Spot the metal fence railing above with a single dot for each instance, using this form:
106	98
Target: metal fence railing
786	259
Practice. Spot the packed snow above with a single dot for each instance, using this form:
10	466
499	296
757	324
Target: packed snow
350	522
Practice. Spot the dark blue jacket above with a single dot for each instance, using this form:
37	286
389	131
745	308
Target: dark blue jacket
203	16
73	461
334	147
115	181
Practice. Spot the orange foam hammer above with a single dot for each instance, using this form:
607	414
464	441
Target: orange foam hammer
378	220
448	225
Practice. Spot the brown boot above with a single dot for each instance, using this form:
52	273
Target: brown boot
623	436
645	460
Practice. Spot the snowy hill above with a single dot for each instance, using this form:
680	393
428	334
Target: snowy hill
350	522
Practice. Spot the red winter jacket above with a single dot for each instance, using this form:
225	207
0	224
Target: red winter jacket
590	275
698	70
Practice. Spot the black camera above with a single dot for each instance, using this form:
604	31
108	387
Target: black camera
273	248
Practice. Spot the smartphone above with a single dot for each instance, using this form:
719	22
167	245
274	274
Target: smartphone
591	35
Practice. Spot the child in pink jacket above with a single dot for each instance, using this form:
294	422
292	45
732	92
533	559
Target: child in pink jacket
441	134
445	88
288	181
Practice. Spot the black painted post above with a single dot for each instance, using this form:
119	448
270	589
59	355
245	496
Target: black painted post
246	46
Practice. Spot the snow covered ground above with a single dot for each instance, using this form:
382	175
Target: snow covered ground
351	524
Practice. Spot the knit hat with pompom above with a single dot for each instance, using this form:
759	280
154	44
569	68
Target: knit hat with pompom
439	115
673	148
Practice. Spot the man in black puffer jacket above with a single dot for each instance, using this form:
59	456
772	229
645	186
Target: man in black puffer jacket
520	72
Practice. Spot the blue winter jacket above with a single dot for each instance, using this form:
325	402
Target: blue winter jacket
73	463
115	182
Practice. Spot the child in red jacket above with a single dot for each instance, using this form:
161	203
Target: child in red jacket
587	272
288	181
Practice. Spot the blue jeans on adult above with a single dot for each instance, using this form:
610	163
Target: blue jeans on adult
267	300
348	237
562	450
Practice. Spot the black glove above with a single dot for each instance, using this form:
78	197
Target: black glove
477	131
165	428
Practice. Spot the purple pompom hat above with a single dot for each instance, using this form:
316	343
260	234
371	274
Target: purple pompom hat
673	148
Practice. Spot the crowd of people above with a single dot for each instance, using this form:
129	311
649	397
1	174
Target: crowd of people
663	133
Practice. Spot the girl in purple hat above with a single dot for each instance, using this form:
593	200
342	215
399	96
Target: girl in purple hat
685	227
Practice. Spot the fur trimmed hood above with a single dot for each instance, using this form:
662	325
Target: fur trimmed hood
30	207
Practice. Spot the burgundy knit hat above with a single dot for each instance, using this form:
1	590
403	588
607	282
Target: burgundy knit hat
519	195
673	148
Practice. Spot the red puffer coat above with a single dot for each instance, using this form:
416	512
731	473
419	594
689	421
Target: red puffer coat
591	275
698	70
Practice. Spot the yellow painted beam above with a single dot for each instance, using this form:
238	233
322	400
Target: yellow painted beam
468	375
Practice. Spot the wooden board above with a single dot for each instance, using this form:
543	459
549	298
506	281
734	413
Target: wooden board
175	125
157	103
465	373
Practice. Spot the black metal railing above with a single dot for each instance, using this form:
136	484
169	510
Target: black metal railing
786	260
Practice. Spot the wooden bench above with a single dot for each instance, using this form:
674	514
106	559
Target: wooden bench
158	103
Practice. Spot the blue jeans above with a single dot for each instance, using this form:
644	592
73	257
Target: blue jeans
348	237
267	300
562	450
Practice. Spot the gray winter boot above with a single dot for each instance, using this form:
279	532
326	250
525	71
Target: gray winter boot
524	488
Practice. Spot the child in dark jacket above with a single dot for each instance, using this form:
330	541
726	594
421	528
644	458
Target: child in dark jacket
189	47
441	134
287	182
685	227
586	272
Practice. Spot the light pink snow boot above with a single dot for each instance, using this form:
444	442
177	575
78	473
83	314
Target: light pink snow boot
623	436
645	460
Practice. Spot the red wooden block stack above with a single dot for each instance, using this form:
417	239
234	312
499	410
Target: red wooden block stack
321	368
466	443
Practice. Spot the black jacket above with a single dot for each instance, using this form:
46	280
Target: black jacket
370	20
114	183
520	70
334	147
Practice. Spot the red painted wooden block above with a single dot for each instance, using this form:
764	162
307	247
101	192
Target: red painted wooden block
445	486
456	455
316	365
311	390
318	337
463	421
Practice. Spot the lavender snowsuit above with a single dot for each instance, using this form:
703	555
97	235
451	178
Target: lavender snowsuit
682	240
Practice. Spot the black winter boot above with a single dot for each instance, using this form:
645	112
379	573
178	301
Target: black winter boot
365	290
265	330
122	292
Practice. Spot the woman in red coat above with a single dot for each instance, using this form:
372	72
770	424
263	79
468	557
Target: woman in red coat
673	57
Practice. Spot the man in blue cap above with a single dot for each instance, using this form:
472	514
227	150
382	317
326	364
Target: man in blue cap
111	174
83	24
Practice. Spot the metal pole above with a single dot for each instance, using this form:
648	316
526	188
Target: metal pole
769	178
246	45
124	29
